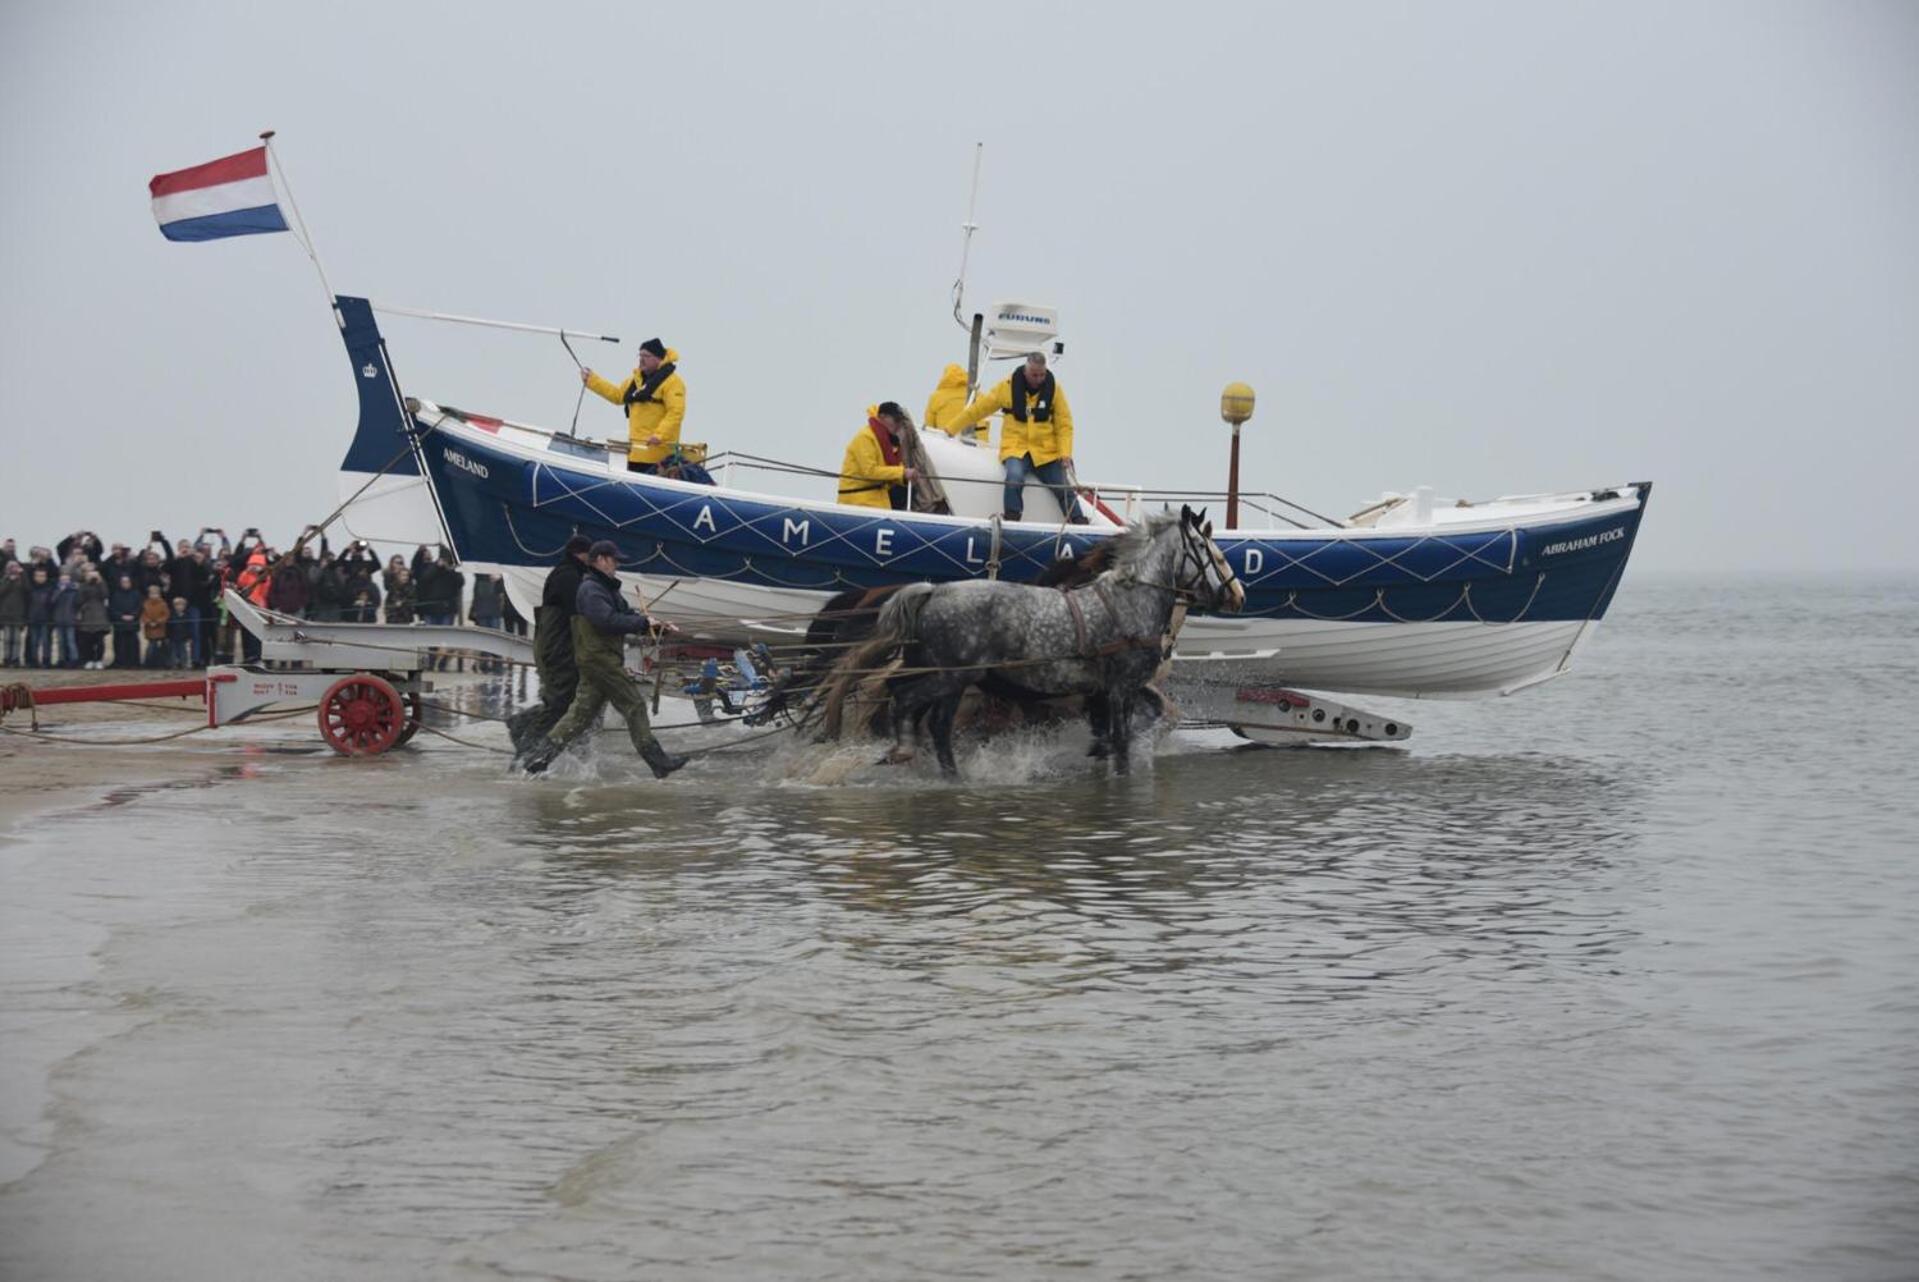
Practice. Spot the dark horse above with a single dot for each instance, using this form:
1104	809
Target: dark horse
1102	639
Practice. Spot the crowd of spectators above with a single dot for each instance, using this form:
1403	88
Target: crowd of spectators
86	604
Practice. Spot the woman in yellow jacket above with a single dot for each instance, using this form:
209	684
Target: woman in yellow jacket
654	399
1035	437
947	400
874	472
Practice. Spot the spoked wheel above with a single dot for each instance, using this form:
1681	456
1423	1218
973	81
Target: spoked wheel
361	715
415	708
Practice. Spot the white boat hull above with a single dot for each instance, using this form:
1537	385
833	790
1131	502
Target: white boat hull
1404	660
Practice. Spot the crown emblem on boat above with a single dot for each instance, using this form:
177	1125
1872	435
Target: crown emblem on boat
369	370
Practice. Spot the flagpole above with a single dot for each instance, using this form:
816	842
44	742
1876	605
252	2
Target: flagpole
306	237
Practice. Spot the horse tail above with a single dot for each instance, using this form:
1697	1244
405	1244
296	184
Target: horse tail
897	622
899	619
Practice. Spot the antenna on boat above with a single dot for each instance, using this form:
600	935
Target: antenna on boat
959	285
303	236
966	243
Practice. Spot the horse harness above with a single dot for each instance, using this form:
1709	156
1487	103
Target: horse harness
1082	649
1190	555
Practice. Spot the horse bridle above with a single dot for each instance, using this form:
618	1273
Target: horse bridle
1196	554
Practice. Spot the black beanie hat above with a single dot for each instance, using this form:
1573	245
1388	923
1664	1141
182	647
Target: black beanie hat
605	547
654	346
578	544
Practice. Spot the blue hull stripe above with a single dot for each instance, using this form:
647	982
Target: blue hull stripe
510	510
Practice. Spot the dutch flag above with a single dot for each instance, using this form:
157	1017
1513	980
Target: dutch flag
232	196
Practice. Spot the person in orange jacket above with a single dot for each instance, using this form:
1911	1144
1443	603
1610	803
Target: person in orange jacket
654	398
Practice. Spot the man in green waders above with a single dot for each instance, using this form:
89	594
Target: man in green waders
601	622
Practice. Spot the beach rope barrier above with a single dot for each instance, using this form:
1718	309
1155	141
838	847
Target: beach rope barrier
89	741
85	742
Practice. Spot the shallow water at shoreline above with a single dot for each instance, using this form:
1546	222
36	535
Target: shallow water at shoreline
1613	979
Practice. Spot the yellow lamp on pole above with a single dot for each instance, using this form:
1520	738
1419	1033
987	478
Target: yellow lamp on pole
1235	406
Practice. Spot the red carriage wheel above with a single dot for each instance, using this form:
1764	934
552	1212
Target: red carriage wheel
415	707
361	715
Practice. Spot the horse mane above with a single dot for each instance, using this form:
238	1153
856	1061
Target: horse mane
1116	553
1072	572
1130	545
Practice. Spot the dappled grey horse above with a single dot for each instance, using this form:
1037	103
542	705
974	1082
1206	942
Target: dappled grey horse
1103	640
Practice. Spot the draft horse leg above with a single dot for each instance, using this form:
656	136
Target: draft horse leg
1120	715
1099	716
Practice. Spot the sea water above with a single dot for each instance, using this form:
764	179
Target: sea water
1618	978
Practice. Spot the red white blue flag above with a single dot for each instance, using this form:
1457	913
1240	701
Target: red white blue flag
232	196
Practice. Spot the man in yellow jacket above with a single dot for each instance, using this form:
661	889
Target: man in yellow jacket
1035	437
947	400
654	399
874	472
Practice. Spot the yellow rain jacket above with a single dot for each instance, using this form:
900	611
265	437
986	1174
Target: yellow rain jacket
947	400
865	473
1045	441
659	416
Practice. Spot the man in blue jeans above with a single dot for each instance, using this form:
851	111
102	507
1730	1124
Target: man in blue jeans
1035	437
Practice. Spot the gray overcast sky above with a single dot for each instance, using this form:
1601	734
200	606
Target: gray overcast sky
1486	247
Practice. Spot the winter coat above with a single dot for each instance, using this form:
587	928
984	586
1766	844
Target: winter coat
357	610
329	593
153	619
253	580
193	580
489	600
438	586
601	618
660	414
553	621
40	602
113	567
400	599
123	605
90	607
1045	441
90	547
867	472
63	612
13	601
947	400
289	590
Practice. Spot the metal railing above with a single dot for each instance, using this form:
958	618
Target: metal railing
1128	502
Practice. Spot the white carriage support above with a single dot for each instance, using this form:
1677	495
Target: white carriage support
1277	716
365	677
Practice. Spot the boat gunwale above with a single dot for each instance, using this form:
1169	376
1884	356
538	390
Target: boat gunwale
1630	497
